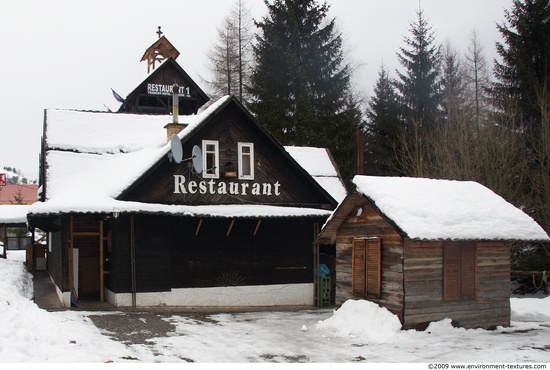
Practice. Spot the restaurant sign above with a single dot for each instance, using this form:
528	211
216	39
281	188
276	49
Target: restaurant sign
162	89
181	186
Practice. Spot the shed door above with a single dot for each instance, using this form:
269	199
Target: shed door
459	271
366	267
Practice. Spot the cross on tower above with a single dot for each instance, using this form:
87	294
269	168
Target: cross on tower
159	32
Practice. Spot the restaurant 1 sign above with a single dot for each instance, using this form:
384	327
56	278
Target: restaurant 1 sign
162	89
2	179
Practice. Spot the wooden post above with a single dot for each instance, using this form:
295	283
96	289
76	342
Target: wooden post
33	253
71	262
316	263
101	259
133	259
5	240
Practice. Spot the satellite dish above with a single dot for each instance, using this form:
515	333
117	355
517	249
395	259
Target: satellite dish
197	159
176	149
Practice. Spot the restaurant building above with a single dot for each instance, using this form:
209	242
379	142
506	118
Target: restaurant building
168	202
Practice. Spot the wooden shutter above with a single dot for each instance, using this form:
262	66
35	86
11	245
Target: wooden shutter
451	271
358	267
374	257
469	271
366	267
459	271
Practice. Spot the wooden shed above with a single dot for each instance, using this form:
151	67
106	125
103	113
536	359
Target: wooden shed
428	249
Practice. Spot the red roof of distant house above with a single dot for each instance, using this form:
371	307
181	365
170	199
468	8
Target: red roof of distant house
9	194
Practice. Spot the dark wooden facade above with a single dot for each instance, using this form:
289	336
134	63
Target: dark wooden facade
153	248
151	252
418	280
181	252
273	167
157	253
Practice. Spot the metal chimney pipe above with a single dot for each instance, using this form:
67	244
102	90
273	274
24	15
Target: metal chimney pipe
175	103
174	128
359	152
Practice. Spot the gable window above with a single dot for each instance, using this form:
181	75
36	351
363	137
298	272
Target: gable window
459	271
210	159
246	161
366	267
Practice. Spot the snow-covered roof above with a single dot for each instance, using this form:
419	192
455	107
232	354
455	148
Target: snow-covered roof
92	157
441	209
13	213
108	205
318	163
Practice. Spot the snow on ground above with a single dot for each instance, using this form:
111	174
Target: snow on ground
358	332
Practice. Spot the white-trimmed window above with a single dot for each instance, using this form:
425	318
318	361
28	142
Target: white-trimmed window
246	161
210	159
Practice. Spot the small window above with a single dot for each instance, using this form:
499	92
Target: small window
459	271
246	161
210	159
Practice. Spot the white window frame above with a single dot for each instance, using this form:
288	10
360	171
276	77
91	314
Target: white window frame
250	156
216	170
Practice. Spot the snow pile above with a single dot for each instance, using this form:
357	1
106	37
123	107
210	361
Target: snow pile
444	326
16	287
530	309
32	334
363	319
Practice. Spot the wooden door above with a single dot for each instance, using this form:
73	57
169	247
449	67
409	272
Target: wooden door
89	268
86	237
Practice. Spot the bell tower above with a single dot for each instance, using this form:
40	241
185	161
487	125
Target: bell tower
161	50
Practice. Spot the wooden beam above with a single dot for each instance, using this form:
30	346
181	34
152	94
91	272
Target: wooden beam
230	227
257	227
529	273
198	227
86	233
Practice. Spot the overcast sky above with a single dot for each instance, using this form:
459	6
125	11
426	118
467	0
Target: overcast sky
69	54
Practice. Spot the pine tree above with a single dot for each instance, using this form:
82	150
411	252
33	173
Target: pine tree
301	84
523	74
477	80
522	89
230	59
419	84
382	130
453	86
